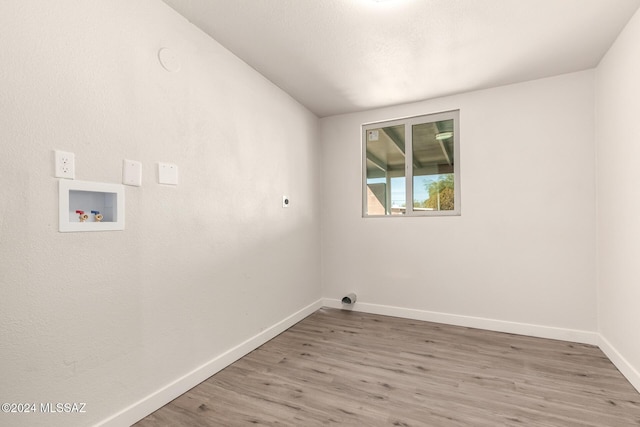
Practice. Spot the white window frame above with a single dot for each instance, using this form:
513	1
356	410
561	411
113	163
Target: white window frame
408	123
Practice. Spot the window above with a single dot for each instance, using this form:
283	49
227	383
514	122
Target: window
411	166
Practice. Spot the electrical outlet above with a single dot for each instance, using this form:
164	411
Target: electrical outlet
65	165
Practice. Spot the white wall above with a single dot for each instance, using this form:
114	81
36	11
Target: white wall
110	318
618	175
523	250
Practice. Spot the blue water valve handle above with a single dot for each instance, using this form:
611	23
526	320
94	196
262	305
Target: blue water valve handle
97	216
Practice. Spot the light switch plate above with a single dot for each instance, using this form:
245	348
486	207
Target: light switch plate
167	173
132	173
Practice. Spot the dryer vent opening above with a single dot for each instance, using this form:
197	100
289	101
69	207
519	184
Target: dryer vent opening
349	299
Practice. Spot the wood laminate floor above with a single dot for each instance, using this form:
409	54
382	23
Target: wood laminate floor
347	368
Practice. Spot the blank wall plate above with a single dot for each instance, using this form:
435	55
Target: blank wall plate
131	173
167	174
285	201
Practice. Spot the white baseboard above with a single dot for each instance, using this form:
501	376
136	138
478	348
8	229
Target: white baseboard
156	400
571	335
620	362
562	334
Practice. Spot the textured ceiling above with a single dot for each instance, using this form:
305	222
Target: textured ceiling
337	56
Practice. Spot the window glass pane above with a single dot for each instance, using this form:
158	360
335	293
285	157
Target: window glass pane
433	167
385	171
410	166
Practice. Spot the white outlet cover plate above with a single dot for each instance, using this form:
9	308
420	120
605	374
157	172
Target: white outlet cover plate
132	173
285	201
64	165
167	174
